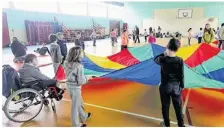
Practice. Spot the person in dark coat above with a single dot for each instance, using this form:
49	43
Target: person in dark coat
18	50
79	41
172	82
62	43
137	34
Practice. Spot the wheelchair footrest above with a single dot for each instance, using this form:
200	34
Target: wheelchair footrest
38	102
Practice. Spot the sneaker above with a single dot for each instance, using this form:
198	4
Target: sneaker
89	115
83	125
162	124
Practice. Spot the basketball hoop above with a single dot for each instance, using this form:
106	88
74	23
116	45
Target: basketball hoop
185	14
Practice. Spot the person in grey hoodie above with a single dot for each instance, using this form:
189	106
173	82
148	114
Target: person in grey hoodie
55	52
75	79
29	73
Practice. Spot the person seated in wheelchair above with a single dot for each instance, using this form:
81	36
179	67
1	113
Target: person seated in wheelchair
30	73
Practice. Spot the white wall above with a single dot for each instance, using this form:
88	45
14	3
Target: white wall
168	20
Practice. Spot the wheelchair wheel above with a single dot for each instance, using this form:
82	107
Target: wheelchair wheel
23	105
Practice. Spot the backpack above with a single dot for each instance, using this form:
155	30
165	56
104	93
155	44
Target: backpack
10	80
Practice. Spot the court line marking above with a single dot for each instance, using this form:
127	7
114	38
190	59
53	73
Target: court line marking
129	113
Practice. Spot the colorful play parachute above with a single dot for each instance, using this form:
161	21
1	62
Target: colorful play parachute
203	59
98	66
148	72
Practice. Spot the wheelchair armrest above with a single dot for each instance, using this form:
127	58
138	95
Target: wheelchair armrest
30	84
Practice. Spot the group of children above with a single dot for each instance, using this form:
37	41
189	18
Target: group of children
207	35
125	38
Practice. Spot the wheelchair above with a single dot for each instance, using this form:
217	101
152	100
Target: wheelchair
26	103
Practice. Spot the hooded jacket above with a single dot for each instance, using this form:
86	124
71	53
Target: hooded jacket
29	73
75	75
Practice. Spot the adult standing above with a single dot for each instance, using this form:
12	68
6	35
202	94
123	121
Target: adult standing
221	36
133	35
208	35
137	34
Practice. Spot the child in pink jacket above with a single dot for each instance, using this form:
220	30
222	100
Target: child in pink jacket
151	38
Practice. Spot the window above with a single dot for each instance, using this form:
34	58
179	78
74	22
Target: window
37	6
115	12
98	11
74	8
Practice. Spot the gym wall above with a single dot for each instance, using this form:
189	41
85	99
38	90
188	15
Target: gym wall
16	20
139	11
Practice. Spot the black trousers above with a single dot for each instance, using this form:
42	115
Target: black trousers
168	92
133	38
124	47
189	40
94	41
83	46
221	43
145	38
137	38
199	40
63	60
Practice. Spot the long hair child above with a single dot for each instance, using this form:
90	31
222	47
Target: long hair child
75	79
208	35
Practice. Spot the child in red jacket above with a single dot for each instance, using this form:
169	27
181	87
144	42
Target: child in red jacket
151	38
